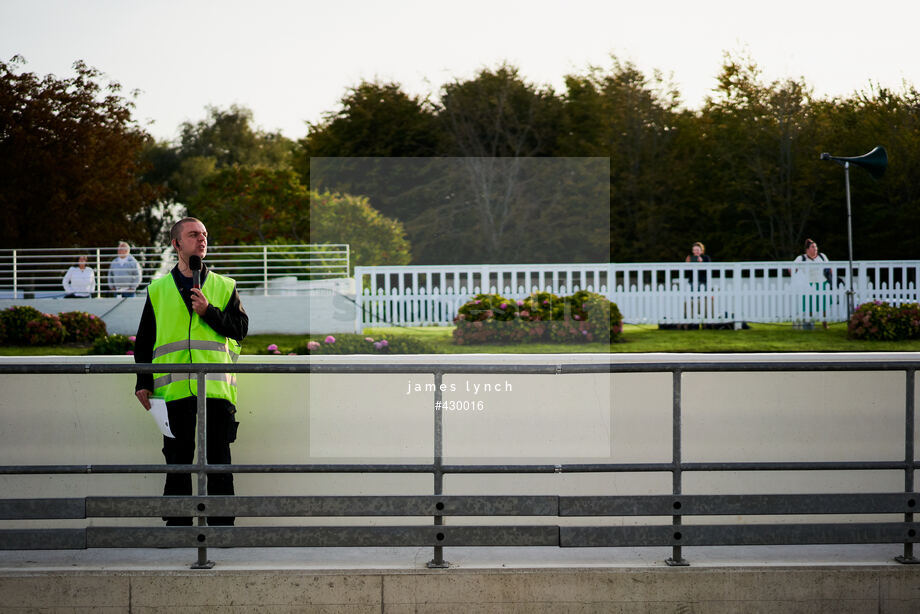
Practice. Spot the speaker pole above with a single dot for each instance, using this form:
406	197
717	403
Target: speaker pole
846	175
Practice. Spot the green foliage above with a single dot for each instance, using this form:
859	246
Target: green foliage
579	318
15	319
82	327
359	344
488	307
2	330
342	218
113	345
71	157
46	329
254	205
879	321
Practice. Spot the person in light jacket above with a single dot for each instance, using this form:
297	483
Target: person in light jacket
124	272
79	281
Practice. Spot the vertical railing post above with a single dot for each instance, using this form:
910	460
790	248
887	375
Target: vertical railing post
438	561
359	308
264	270
908	557
202	410
677	559
98	273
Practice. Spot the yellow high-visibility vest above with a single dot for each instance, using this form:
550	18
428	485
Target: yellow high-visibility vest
184	338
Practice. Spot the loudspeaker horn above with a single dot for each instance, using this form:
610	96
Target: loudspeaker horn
876	161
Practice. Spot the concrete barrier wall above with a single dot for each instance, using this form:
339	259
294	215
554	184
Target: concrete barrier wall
325	310
95	419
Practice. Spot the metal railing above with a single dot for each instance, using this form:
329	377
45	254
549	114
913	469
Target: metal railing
675	505
261	269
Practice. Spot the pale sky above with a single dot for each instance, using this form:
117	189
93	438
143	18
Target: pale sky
291	61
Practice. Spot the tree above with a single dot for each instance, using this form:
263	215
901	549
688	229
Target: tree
70	160
270	206
254	205
634	120
765	144
377	121
374	238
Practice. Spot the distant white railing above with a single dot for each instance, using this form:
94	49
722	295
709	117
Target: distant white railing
652	293
257	269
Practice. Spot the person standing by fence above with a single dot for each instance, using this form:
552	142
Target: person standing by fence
815	279
183	323
79	281
124	272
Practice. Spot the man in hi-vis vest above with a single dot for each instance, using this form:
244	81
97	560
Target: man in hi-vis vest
185	324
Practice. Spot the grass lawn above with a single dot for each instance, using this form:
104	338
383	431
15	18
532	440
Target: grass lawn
760	338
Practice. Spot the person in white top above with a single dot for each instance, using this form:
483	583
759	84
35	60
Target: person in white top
79	281
815	276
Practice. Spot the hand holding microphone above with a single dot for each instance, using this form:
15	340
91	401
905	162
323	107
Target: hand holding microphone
199	302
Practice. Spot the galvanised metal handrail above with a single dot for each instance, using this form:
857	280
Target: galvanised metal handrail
438	506
266	269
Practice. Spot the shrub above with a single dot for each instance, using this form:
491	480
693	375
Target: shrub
359	344
489	307
15	320
46	329
581	317
2	331
879	321
114	344
82	327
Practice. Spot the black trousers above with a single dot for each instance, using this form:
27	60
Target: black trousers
180	450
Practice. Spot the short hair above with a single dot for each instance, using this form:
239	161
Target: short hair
701	246
809	243
176	231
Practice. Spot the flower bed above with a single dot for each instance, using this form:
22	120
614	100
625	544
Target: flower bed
879	321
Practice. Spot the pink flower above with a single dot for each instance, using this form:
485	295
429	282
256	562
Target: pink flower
546	301
377	345
92	317
330	339
132	338
292	354
276	352
520	303
313	345
524	313
504	305
130	352
272	348
476	302
384	343
369	339
577	317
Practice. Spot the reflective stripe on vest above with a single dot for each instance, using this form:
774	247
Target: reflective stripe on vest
169	378
184	338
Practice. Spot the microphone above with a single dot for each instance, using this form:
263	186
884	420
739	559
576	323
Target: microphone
194	263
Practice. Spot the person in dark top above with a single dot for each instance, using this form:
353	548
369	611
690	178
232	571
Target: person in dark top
183	324
698	254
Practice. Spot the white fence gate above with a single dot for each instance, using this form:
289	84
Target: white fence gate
650	293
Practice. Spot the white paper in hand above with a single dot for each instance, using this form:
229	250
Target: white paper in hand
160	415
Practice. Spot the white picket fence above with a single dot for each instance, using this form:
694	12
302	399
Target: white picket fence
646	293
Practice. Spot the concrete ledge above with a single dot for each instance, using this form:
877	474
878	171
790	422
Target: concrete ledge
884	588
